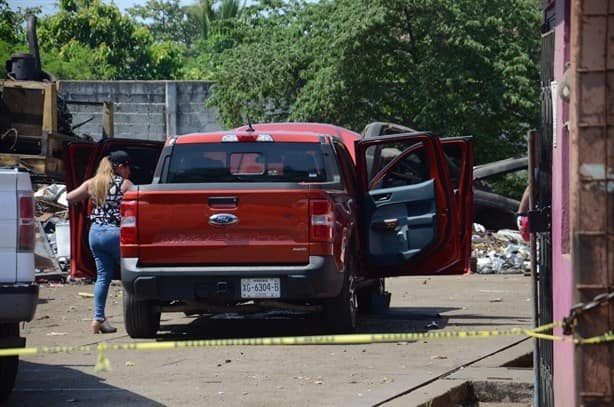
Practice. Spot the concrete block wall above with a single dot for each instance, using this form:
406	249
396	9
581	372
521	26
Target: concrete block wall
145	110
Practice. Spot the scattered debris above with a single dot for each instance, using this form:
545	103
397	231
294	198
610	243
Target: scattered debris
52	250
432	325
501	252
86	295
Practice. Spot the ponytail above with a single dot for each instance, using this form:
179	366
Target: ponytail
99	187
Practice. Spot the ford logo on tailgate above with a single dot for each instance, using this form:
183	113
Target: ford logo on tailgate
223	219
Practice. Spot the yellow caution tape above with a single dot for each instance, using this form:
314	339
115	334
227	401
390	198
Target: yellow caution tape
103	363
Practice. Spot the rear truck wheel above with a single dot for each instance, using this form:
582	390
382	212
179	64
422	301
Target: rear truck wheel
340	312
374	299
8	364
140	318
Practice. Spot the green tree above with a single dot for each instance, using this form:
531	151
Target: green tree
8	23
167	20
114	45
213	14
218	25
12	31
477	70
8	34
458	67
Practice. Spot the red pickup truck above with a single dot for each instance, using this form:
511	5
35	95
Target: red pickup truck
299	216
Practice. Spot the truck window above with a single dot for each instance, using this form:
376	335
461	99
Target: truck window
411	168
251	162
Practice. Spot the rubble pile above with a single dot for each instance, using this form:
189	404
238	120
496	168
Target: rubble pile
501	252
52	250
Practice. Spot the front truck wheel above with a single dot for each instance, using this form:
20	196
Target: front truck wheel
8	364
140	317
340	312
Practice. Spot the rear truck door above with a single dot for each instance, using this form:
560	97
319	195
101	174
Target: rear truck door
78	166
80	162
459	156
409	220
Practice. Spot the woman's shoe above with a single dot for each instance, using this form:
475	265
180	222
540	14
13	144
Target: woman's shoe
102	327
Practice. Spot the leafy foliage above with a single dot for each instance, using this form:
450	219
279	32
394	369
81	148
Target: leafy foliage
462	67
118	48
217	26
12	31
165	19
8	23
457	67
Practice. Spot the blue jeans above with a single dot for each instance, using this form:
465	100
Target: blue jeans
104	244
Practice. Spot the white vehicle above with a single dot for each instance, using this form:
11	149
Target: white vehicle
18	288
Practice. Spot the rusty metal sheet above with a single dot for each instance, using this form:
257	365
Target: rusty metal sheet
590	259
592	58
592	194
591	99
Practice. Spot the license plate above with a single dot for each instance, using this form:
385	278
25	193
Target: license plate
260	288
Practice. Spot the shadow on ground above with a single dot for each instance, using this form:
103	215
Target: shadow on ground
275	324
52	385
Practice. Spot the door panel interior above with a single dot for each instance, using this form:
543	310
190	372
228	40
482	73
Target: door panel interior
402	222
409	221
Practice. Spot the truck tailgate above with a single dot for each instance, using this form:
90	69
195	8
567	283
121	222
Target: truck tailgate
222	227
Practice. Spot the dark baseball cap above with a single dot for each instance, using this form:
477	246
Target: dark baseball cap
119	157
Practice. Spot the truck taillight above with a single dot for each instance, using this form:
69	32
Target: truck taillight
25	221
127	228
322	220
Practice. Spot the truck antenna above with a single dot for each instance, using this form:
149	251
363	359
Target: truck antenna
249	124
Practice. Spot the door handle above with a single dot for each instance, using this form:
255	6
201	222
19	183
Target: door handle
223	201
382	197
385	225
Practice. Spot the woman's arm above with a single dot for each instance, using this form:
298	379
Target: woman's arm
80	193
126	185
523	208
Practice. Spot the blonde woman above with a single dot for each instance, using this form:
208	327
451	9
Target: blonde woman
106	190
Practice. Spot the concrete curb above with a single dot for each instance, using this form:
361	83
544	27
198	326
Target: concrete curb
496	379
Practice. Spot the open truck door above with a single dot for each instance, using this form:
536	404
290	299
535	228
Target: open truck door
80	162
410	216
459	157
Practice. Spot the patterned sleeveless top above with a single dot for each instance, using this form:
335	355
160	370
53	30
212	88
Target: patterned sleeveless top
108	213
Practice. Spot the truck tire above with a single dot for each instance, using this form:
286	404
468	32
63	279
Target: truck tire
140	318
340	312
8	364
374	299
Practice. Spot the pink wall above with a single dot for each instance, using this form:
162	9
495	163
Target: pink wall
562	278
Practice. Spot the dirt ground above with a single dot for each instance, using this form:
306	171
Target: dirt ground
304	375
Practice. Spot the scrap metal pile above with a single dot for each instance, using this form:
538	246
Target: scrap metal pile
500	252
52	250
